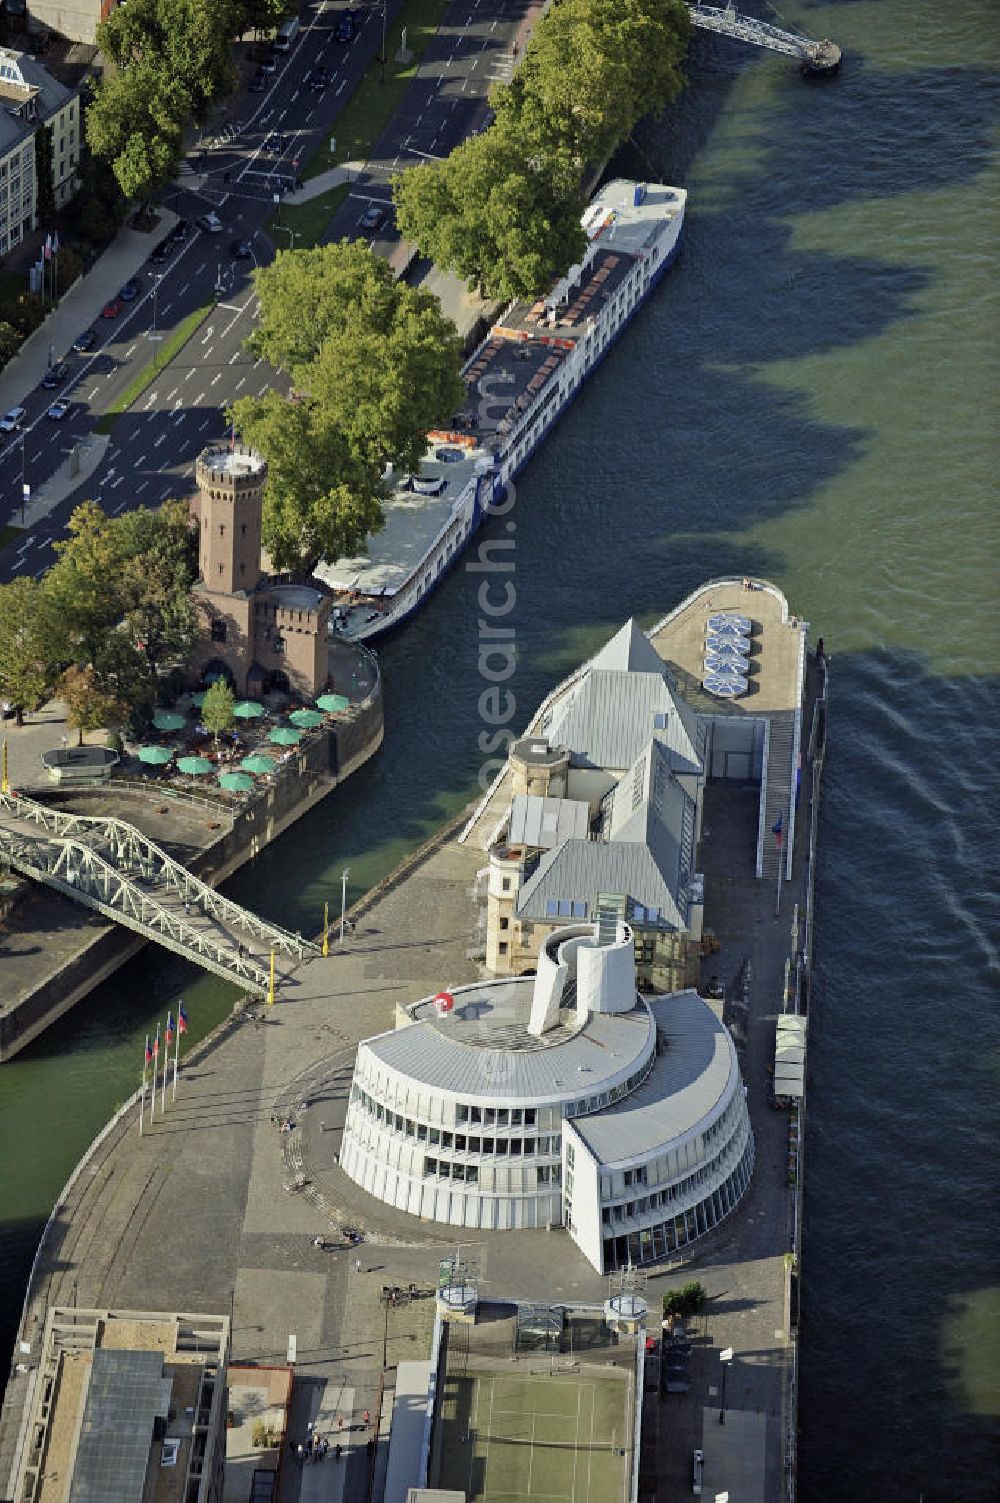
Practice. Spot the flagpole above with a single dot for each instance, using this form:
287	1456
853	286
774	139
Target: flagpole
142	1092
778	836
177	1055
163	1094
156	1057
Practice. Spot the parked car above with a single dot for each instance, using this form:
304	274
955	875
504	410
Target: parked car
86	342
112	309
345	27
58	411
180	232
129	292
258	83
210	223
372	218
241	250
55	375
161	253
11	421
276	142
269	65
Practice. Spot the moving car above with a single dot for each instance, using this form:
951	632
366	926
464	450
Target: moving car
112	309
11	421
180	232
275	142
258	83
345	27
241	250
129	292
86	342
55	375
211	223
162	253
372	218
269	65
58	411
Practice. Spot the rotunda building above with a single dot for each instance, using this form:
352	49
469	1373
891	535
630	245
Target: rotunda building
560	1099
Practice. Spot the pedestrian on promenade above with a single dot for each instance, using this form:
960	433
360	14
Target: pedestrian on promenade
367	1419
301	1453
357	1265
187	906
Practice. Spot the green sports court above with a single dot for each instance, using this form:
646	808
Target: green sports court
556	1436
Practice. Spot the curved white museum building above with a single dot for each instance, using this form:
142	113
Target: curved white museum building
560	1099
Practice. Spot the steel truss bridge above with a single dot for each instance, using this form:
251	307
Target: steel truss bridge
111	867
728	22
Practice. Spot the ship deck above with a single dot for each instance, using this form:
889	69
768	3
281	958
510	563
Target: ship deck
412	522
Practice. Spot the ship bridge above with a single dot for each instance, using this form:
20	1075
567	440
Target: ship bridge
815	57
110	866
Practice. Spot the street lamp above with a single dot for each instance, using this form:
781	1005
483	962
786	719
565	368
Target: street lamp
725	1357
25	487
153	334
286	229
343	899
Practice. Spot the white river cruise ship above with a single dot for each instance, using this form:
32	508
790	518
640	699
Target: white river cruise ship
530	366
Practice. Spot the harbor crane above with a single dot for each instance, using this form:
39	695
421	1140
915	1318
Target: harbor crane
816	58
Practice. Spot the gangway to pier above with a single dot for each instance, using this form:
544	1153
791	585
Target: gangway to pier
112	867
815	57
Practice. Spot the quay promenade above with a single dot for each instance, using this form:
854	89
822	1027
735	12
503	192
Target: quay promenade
215	1208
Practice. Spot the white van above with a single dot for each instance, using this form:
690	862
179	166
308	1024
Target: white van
287	32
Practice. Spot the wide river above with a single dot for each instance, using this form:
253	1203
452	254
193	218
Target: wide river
811	396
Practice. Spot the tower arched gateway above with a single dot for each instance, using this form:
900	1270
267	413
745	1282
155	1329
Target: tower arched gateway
265	634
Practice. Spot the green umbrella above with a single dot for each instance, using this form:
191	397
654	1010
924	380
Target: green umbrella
306	718
199	698
195	765
156	756
168	720
333	704
283	735
248	709
236	782
258	763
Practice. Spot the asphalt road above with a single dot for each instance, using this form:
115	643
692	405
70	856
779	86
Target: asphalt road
237	172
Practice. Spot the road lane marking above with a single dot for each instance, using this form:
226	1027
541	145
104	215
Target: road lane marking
172	394
158	441
129	352
241	382
117	482
204	425
190	373
216	378
141	487
233	358
199	399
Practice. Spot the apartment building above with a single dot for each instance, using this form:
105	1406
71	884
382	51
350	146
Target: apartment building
32	100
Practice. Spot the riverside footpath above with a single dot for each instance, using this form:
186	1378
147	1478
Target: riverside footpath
215	1207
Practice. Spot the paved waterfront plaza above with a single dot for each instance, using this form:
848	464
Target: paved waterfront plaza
205	1204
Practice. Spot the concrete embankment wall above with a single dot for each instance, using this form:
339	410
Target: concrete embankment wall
324	761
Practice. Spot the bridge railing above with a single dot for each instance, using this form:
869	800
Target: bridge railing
133	850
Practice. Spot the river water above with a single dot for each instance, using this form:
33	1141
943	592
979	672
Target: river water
812	396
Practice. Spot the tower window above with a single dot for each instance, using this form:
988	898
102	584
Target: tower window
222	529
243	529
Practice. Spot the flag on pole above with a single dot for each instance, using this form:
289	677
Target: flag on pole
48	247
156	1044
182	1019
232	438
168	1032
55	243
149	1054
181	1028
776	831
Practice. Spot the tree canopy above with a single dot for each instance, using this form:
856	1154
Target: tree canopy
503	209
172	61
26	662
217	708
117	598
374	366
491	214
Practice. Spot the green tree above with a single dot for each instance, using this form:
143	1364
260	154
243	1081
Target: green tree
321	501
26	668
489	214
88	706
43	176
117	597
593	69
687	1300
375	365
10	342
217	710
